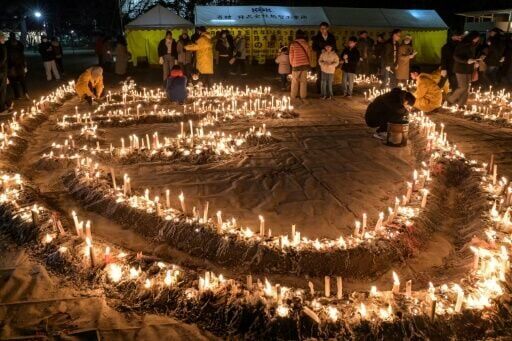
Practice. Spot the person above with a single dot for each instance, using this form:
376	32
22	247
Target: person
225	50
204	55
328	62
98	48
122	56
405	54
364	46
240	54
107	57
184	56
429	96
176	87
390	107
57	50
378	51
507	60
320	40
300	61
16	67
284	68
465	65
167	53
48	55
494	56
350	59
3	74
390	59
89	85
447	61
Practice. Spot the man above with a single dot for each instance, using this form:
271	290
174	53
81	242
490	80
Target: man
204	55
364	45
495	54
429	96
447	62
465	64
3	73
89	85
320	40
168	53
350	59
300	56
390	58
16	66
48	55
391	107
240	54
378	51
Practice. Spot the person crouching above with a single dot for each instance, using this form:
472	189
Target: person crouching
89	85
391	107
429	96
177	85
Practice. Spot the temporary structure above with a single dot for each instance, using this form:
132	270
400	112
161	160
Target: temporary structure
145	32
267	28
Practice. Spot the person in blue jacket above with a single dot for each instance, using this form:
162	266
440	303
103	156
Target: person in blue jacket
177	85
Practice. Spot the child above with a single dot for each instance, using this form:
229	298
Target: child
350	59
284	69
177	85
328	61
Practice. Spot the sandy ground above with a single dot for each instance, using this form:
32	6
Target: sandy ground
321	174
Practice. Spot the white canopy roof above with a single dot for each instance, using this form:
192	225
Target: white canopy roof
158	17
259	16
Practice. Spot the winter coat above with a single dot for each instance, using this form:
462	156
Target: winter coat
390	54
353	59
122	56
495	51
240	48
176	89
404	60
463	52
283	60
300	54
162	48
319	42
388	107
364	47
46	51
86	81
428	94
223	47
15	58
204	53
184	56
57	49
447	52
328	61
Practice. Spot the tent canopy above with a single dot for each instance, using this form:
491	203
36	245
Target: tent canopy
258	16
158	17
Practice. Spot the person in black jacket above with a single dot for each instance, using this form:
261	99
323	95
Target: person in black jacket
465	64
320	40
391	107
349	59
3	73
48	56
447	61
225	48
495	54
167	53
16	66
378	51
390	58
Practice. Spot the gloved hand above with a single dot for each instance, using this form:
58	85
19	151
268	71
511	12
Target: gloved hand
443	73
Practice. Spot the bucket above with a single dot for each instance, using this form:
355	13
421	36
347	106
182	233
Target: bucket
398	133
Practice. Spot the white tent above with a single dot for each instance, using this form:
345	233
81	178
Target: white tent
158	17
258	16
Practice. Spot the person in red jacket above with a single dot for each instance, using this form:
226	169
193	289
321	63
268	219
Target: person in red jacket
300	54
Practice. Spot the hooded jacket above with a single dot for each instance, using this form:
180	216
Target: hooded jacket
87	80
428	94
204	53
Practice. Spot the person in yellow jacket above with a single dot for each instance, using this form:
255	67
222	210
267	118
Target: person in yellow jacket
204	54
89	85
429	96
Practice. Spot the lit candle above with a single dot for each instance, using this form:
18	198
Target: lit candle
168	198
339	287
408	288
205	212
424	198
262	226
460	298
327	285
182	202
396	284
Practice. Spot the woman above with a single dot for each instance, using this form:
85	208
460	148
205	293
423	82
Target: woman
57	50
405	54
300	61
225	50
184	56
122	56
204	54
89	85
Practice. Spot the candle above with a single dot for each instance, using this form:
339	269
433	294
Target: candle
408	288
112	174
339	287
205	212
88	230
107	255
168	198
311	288
90	250
396	284
219	221
357	228
378	225
182	202
424	198
460	298
327	282
262	226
